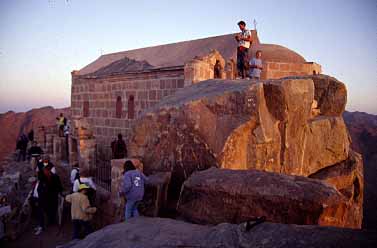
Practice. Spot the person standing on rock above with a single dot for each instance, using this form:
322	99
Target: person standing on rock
119	148
133	189
244	41
81	211
256	66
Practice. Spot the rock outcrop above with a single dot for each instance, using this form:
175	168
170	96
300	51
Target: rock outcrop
216	195
244	125
156	232
291	125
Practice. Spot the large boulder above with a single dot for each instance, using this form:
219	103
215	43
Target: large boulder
156	232
330	94
265	125
220	195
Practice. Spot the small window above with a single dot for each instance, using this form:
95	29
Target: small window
314	72
119	107
86	109
131	107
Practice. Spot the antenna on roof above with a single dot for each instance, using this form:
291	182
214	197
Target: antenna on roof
101	51
255	24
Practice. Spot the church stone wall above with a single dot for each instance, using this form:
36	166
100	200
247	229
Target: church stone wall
276	70
109	101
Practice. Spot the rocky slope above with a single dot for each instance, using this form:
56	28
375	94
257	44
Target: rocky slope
12	124
156	232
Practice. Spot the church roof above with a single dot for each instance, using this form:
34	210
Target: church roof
177	54
169	55
277	53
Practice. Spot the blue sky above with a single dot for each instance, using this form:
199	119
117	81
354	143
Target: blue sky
42	41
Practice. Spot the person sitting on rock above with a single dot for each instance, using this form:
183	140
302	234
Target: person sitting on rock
133	189
84	177
81	211
119	148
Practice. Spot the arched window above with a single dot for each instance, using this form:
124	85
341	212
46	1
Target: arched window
314	72
131	107
119	107
86	109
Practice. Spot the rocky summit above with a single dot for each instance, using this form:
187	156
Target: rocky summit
290	126
157	232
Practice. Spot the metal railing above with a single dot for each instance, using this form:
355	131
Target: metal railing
102	175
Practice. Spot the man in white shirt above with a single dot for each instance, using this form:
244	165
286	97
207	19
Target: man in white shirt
244	41
256	66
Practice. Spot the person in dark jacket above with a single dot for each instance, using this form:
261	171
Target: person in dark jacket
35	153
133	189
46	171
22	147
119	148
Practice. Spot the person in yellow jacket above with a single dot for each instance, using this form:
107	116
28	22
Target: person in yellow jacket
81	211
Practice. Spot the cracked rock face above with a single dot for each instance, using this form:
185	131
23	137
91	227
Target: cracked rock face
291	126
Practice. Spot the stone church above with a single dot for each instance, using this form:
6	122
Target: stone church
109	94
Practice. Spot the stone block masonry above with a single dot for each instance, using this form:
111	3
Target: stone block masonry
276	70
111	104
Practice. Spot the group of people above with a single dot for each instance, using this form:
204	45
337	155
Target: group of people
82	198
45	193
247	68
48	190
22	144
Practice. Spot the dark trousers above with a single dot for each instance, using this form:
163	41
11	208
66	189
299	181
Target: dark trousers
61	130
52	209
40	212
242	61
22	153
79	225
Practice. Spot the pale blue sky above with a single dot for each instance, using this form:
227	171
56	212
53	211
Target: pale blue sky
42	41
